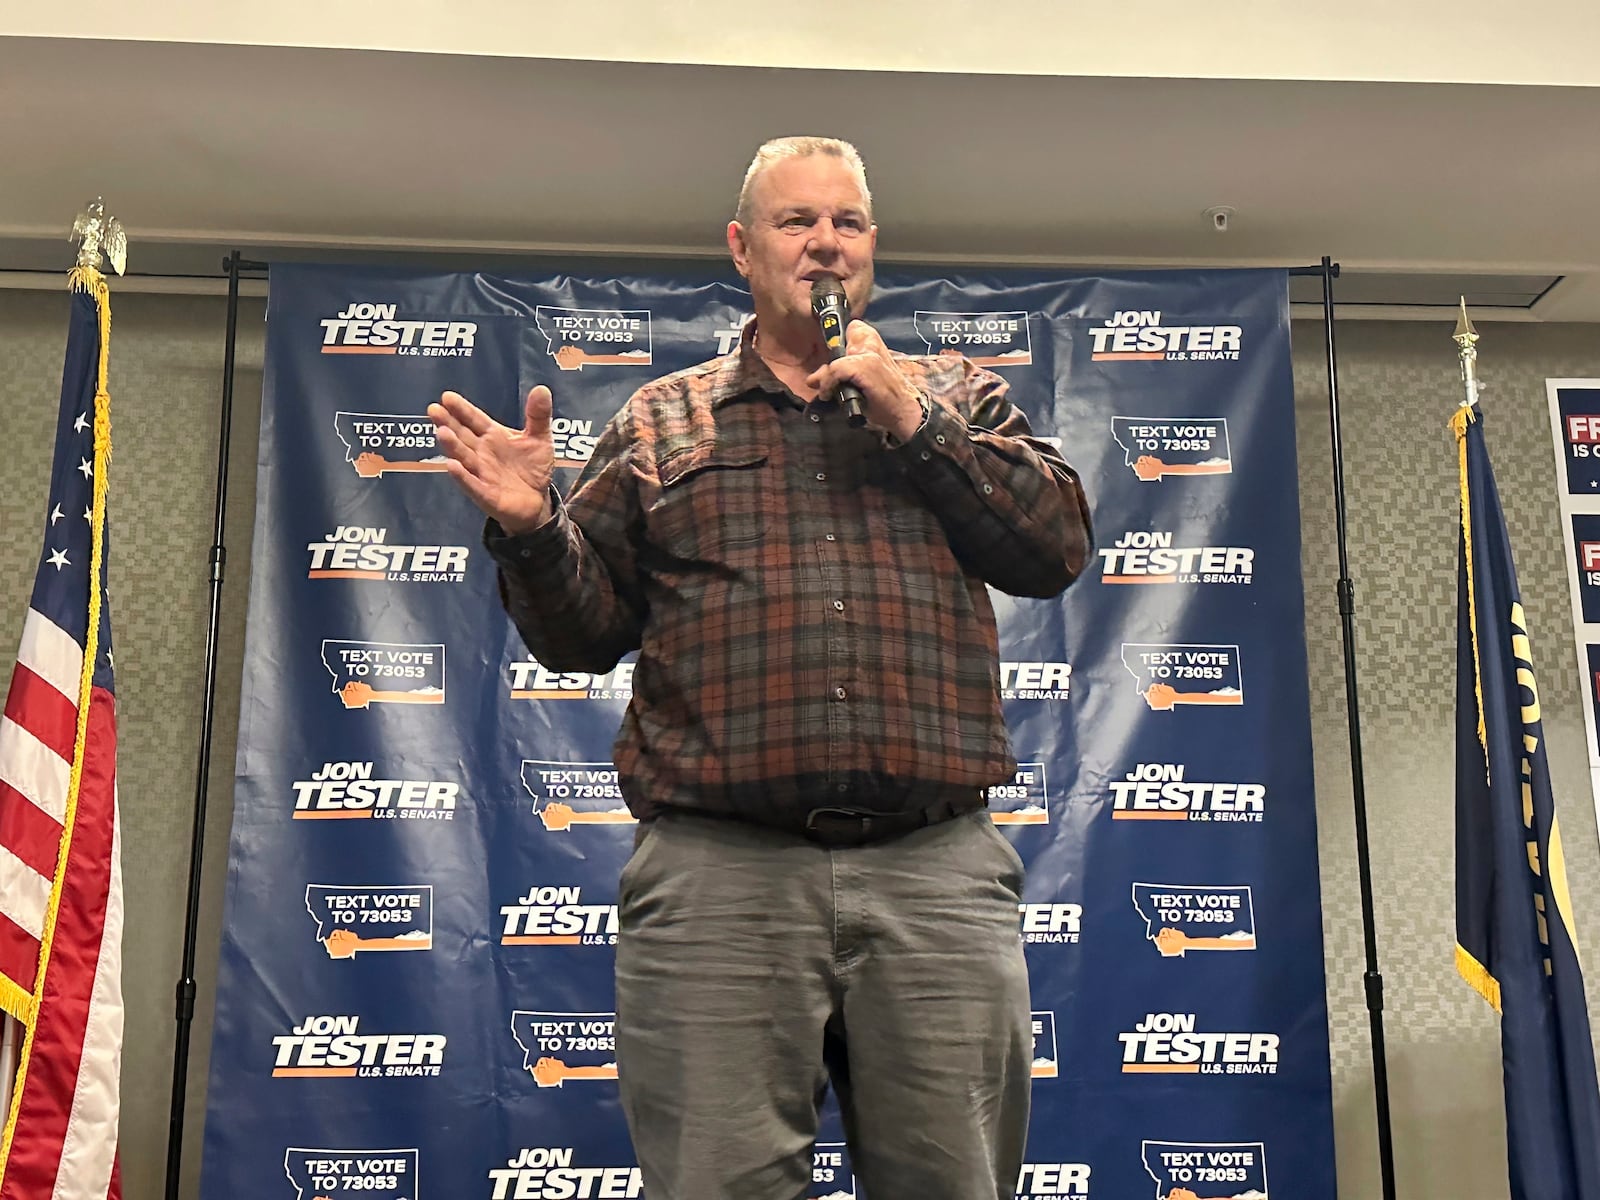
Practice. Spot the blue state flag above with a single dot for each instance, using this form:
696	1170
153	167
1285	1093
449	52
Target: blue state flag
1514	931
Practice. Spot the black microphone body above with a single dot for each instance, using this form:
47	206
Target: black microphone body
833	314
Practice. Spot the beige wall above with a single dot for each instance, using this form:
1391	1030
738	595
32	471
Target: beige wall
1399	387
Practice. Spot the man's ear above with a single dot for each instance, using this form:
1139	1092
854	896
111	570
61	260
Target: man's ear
738	248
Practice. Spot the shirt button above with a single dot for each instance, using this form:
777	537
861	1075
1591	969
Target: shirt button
844	788
830	537
822	477
939	438
839	604
816	416
839	693
988	489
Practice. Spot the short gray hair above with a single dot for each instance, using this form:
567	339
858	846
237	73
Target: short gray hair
800	147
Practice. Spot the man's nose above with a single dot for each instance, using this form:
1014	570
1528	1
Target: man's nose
824	237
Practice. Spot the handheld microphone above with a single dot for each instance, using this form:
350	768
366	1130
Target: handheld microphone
833	314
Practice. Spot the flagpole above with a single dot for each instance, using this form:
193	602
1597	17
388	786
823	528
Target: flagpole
8	1060
218	559
1372	978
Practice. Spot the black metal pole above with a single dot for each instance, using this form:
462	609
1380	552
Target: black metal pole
1372	979
218	558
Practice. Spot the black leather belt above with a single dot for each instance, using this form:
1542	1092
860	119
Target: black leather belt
840	827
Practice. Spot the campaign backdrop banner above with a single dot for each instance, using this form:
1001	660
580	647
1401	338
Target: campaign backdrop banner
415	997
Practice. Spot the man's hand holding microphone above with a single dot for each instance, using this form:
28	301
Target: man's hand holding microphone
862	374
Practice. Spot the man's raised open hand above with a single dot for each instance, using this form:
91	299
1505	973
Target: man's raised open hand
504	471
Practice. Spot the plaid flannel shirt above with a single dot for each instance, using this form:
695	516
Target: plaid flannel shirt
807	599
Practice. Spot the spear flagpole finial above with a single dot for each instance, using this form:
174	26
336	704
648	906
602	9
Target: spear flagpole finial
1466	340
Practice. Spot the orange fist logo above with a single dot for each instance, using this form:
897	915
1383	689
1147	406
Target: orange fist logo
556	816
1149	468
356	694
1171	942
1161	696
342	943
549	1072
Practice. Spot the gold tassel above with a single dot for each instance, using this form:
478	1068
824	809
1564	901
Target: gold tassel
87	280
1476	974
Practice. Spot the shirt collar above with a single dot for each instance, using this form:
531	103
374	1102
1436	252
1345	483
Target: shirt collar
744	371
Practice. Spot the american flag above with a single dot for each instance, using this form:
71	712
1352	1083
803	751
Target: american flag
60	877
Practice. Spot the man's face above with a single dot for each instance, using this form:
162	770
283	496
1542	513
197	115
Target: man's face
808	220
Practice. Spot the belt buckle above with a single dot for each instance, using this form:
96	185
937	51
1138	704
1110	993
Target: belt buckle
819	819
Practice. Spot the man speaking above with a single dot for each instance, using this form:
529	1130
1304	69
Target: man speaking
816	892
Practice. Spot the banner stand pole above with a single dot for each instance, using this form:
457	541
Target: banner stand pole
1372	978
184	1010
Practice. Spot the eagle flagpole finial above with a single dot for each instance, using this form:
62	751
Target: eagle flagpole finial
97	236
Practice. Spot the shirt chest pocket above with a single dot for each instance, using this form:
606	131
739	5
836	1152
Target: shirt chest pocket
714	502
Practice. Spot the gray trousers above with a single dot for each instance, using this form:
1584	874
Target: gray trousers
754	966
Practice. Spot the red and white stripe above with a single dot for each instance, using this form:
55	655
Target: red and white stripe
64	1146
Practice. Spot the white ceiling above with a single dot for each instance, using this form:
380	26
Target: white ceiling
1543	42
203	145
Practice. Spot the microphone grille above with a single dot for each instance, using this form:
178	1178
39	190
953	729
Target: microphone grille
825	289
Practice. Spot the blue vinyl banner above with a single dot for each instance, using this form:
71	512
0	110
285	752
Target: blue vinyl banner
415	994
